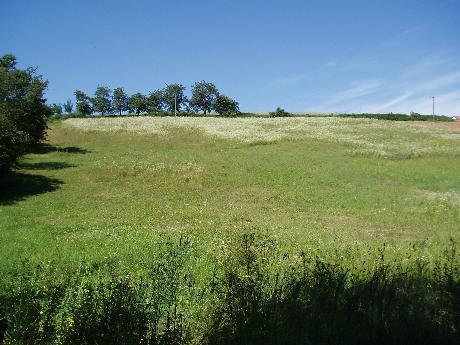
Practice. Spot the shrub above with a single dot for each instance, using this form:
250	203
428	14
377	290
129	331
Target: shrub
279	112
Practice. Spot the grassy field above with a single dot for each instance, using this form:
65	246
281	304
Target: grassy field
112	185
112	189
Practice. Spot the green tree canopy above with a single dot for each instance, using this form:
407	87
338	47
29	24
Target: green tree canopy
138	103
56	109
23	111
68	106
120	100
279	112
102	100
83	103
204	95
174	97
226	106
155	101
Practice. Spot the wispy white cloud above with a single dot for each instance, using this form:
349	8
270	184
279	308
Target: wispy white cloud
446	103
427	63
407	89
287	81
418	100
440	82
387	105
343	98
358	89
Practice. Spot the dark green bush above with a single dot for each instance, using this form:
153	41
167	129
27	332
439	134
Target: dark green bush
279	113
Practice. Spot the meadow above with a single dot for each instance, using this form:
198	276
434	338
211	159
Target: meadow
201	201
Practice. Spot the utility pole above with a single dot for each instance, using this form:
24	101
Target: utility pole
433	108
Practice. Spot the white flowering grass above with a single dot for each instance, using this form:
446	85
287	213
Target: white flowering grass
384	138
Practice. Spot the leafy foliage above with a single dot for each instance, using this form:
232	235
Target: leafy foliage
101	100
23	112
174	98
204	96
137	103
83	103
56	109
226	106
68	106
279	112
155	101
120	100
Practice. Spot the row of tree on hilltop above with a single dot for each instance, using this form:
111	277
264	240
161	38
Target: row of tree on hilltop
205	98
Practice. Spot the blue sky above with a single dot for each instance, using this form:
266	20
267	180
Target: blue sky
328	56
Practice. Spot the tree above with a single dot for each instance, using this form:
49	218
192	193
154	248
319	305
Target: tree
23	112
56	109
155	101
101	100
137	103
204	95
279	112
83	103
120	100
173	97
68	106
226	106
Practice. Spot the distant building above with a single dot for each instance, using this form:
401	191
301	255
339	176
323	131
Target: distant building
457	118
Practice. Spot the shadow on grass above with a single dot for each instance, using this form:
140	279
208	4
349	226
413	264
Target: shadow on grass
45	148
45	166
17	186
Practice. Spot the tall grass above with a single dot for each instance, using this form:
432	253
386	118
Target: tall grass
258	296
362	136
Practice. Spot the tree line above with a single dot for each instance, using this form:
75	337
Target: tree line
205	97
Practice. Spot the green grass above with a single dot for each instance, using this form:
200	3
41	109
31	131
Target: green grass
97	197
119	190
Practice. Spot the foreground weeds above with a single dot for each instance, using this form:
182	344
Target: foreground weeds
258	296
316	302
